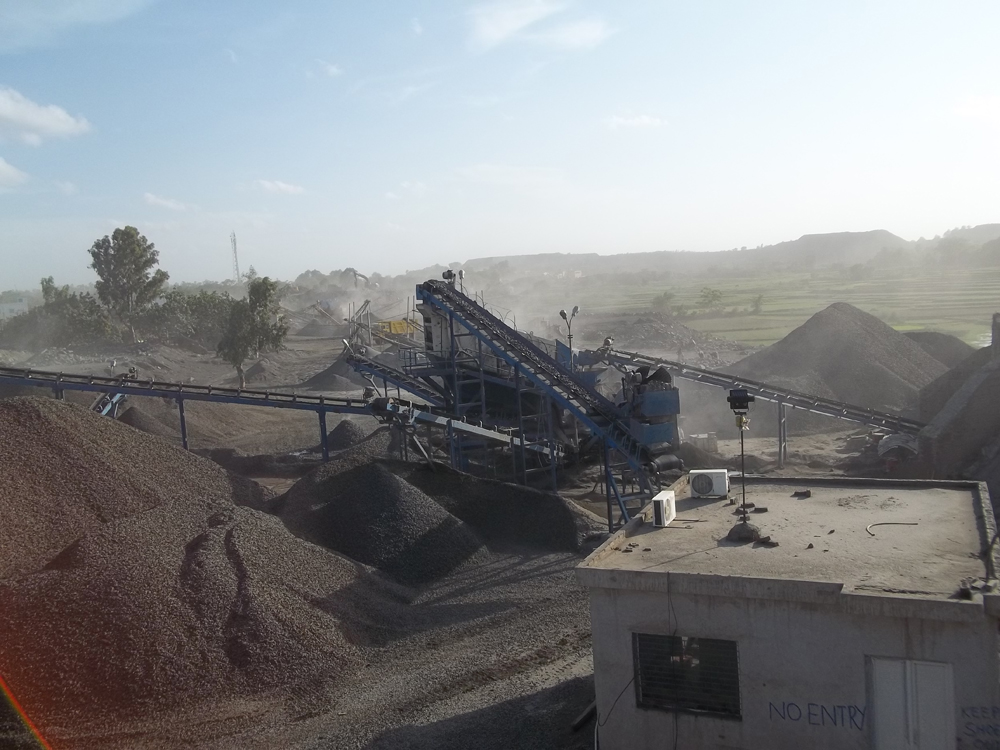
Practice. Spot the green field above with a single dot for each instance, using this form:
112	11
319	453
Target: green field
957	301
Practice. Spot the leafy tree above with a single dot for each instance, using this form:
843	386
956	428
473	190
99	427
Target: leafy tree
254	326
64	319
757	305
127	284
710	297
661	302
200	317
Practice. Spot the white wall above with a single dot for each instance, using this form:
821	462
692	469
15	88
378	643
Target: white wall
796	659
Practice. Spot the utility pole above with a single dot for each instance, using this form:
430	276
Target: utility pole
236	259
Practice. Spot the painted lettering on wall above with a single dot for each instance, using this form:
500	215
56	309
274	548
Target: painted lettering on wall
818	714
981	727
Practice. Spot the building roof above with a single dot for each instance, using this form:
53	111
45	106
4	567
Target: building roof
849	533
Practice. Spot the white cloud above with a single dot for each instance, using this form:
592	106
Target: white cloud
10	176
982	108
391	196
418	28
416	188
496	23
232	56
330	69
156	200
638	121
584	34
30	122
277	186
66	187
33	23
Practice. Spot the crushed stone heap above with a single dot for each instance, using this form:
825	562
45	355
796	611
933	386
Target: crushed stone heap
846	354
373	516
131	579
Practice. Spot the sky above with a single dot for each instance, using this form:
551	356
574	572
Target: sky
390	135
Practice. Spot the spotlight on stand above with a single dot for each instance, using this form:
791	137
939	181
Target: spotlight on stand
739	401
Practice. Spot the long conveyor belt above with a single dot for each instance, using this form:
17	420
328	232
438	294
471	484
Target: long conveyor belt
767	392
322	405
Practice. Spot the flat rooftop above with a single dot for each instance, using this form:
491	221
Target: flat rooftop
848	531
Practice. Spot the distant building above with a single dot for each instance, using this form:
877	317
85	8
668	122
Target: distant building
10	309
872	624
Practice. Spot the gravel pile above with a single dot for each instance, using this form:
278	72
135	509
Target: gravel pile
169	608
335	377
133	581
846	354
345	435
935	395
505	515
135	417
947	349
373	516
65	471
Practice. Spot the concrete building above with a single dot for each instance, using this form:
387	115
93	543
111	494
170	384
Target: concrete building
872	623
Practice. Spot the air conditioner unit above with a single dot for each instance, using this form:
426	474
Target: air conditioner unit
709	482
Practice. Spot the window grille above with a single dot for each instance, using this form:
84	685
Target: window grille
695	675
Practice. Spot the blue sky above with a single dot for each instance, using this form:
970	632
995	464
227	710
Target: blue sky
393	135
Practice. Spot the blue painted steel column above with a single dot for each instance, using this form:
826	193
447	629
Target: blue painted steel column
520	425
323	441
184	429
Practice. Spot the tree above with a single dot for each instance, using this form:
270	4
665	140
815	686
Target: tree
661	302
200	317
710	297
757	305
127	284
64	319
254	326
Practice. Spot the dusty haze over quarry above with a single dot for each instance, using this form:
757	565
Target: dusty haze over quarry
427	133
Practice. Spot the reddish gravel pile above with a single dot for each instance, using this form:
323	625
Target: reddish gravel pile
133	416
131	581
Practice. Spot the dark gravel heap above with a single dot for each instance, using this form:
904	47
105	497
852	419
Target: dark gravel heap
503	514
335	377
947	349
373	516
345	435
846	354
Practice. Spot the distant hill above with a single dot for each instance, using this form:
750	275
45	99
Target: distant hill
976	235
809	251
819	250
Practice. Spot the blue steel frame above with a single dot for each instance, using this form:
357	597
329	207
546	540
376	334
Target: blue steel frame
623	443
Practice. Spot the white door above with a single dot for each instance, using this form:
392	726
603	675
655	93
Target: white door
913	705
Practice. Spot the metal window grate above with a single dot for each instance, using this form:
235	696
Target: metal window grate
697	675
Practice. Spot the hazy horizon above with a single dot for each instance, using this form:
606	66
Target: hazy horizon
395	138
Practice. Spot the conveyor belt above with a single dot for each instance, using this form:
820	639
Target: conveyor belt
323	405
591	409
768	392
395	376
